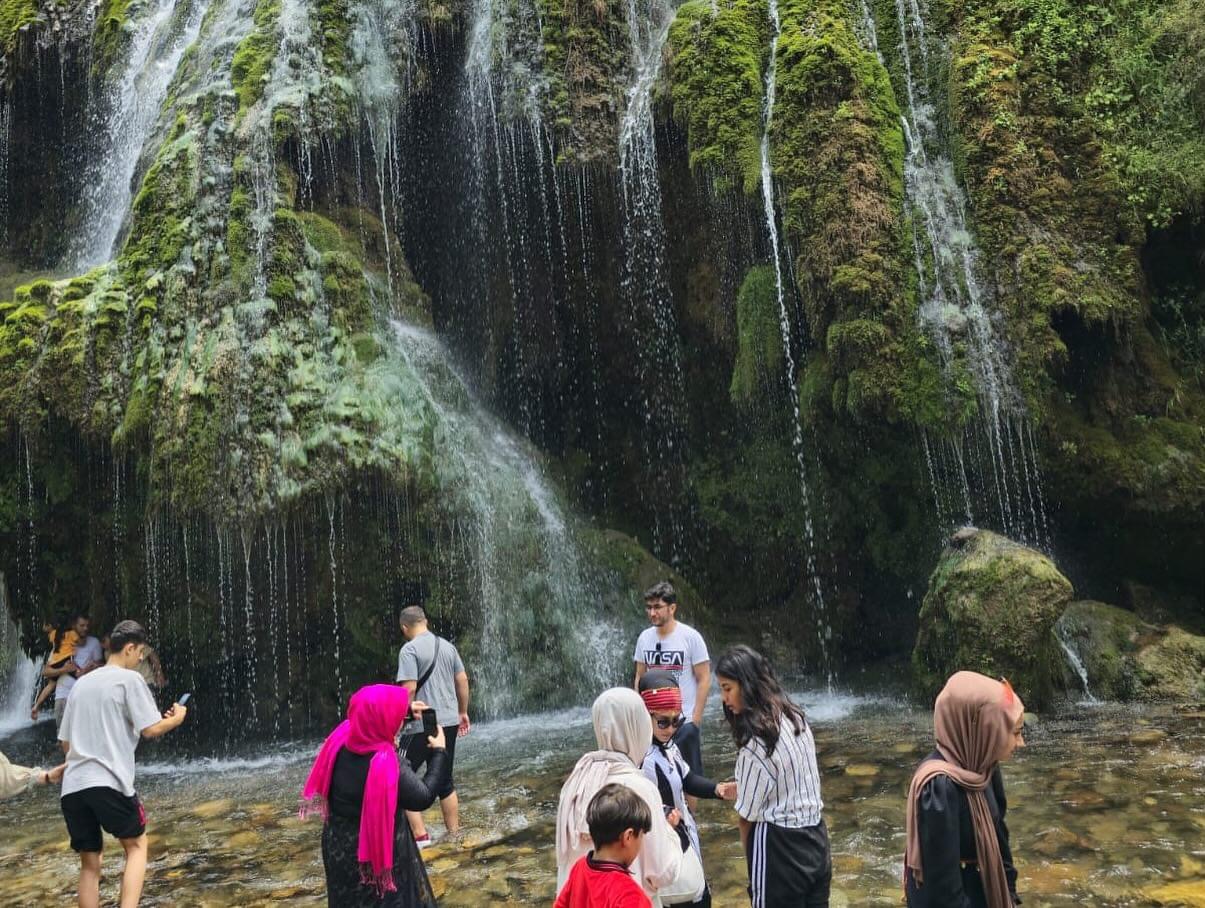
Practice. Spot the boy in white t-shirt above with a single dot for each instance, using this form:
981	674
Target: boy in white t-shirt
109	710
671	646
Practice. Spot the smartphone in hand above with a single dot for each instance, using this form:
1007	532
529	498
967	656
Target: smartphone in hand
184	698
430	724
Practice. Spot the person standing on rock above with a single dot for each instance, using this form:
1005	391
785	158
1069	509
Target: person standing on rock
957	853
109	711
430	668
778	786
671	646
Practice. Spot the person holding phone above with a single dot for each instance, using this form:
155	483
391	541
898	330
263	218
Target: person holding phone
362	789
430	668
109	711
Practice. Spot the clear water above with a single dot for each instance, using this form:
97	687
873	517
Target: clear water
1106	810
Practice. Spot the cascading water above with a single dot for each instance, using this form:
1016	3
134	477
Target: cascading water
645	284
125	115
18	673
1075	662
520	546
823	628
993	468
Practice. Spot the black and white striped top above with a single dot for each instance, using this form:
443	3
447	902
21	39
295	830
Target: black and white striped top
783	789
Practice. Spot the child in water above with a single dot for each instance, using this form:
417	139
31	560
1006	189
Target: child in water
63	641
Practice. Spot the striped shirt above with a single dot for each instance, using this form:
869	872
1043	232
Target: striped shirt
782	789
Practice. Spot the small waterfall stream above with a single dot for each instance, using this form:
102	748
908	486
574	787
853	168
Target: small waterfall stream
1076	663
127	112
992	471
823	629
521	546
645	283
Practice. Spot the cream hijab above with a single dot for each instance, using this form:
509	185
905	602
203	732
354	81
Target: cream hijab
623	730
974	718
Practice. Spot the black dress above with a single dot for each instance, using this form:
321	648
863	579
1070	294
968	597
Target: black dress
947	845
341	835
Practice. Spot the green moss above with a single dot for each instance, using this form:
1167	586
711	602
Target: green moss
584	55
15	15
255	54
716	78
758	370
109	35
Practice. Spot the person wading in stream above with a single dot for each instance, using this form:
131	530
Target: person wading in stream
957	853
430	668
109	710
778	786
671	646
361	788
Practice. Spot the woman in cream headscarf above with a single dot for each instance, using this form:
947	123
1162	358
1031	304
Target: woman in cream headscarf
957	853
623	731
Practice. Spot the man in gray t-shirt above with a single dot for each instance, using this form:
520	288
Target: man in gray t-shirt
444	688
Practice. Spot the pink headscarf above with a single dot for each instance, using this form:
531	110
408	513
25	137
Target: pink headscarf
374	716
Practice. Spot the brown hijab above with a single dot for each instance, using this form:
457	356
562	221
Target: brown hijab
974	719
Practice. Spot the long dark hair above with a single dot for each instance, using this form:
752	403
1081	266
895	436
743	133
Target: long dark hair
65	623
764	703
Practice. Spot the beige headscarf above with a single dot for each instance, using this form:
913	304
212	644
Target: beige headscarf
974	718
623	730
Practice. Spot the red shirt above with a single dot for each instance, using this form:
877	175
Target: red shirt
600	884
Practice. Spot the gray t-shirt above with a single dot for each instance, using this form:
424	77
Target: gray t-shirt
440	690
105	717
85	654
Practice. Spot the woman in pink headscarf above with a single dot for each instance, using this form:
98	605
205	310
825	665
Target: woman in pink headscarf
957	853
362	790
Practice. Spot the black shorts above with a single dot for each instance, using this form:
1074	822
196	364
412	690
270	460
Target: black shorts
789	866
417	752
690	743
89	811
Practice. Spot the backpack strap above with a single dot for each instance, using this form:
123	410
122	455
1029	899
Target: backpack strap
430	668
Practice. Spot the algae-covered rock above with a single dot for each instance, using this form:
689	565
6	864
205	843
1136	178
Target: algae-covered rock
991	607
1128	659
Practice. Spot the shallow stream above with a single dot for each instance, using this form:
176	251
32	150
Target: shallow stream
1107	808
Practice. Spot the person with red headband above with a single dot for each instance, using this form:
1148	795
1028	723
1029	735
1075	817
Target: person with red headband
668	770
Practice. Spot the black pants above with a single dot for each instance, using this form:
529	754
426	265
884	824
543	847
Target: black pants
788	868
417	752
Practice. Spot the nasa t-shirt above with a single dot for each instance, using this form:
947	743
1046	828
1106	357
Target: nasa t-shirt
678	653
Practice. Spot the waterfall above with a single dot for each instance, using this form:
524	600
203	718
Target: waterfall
127	112
528	573
994	465
19	675
1076	663
645	281
823	628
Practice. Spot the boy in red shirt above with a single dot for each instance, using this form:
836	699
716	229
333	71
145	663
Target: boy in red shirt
618	818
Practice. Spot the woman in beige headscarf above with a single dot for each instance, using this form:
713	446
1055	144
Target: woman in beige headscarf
623	731
957	853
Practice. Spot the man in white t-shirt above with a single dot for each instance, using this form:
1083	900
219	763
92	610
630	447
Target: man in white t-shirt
87	656
677	648
108	711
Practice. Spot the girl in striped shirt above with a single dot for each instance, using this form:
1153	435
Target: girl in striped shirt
778	786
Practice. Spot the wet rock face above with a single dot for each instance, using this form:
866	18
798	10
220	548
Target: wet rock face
1127	658
991	607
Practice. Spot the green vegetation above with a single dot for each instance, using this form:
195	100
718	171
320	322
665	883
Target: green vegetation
758	373
255	54
15	15
716	79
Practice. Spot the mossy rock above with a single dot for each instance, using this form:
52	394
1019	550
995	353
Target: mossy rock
991	607
1173	667
1106	639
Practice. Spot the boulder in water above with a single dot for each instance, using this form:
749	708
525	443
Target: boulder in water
991	607
1128	659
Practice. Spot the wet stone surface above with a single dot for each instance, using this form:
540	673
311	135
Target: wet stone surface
1107	808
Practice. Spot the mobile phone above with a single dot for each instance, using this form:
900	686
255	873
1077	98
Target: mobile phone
430	724
184	698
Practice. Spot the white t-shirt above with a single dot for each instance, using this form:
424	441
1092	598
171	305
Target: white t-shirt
105	717
86	653
783	788
678	653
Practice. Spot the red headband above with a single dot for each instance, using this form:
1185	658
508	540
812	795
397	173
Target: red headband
664	699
